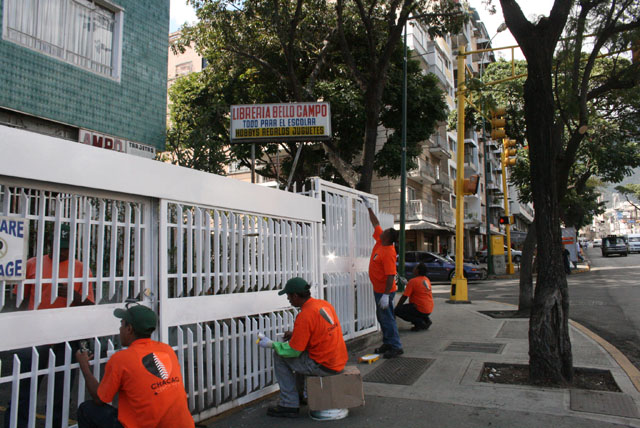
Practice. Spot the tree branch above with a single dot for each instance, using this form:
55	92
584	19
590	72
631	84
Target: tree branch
346	51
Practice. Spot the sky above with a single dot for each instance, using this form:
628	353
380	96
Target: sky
181	13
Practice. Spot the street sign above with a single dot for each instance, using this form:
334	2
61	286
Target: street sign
13	248
280	122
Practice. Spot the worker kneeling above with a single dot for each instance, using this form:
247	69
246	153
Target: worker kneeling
314	348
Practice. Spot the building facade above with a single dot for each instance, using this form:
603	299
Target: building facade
431	199
91	71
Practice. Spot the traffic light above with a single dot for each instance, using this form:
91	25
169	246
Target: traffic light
504	220
508	152
470	185
498	122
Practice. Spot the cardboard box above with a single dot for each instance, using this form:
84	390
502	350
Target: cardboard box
341	391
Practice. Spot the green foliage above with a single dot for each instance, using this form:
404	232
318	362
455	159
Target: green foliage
425	108
579	207
630	192
197	135
263	51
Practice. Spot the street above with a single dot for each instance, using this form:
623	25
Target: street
605	300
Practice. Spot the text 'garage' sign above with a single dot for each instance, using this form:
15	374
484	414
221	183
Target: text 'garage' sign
280	122
13	248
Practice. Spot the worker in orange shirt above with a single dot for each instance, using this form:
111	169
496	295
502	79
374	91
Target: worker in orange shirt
314	348
63	274
382	273
146	376
25	355
420	297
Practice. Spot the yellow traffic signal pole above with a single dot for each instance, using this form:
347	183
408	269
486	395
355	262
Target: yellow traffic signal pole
459	290
510	268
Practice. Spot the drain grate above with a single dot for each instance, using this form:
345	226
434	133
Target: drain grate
399	371
607	403
486	348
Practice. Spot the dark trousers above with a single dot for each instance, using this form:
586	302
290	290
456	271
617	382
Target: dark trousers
92	415
408	312
25	384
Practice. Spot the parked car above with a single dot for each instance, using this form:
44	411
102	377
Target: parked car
439	268
516	255
614	245
597	243
634	242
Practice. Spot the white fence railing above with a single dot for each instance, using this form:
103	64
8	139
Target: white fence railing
209	254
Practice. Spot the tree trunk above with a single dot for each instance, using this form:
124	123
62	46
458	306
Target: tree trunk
372	111
549	344
525	297
550	359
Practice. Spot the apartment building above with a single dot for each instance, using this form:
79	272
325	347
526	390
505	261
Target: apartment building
89	71
429	221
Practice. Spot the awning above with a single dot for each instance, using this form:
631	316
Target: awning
424	225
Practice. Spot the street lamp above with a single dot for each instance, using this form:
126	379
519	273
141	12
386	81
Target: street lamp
403	162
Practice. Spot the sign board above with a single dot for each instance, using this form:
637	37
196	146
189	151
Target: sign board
109	142
14	233
497	255
569	242
497	245
280	122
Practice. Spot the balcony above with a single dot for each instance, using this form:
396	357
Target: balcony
442	185
494	187
439	148
445	213
414	210
472	219
417	210
471	162
496	203
423	174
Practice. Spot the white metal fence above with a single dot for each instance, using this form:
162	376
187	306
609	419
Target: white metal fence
208	253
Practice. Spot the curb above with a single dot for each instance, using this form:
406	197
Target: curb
517	276
619	357
624	363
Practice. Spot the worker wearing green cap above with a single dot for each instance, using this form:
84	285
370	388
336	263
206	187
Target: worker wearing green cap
315	347
146	376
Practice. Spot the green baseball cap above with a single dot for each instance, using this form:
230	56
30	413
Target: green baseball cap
295	285
142	319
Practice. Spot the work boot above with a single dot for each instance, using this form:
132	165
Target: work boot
384	348
283	412
393	353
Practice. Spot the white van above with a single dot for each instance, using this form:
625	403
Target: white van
597	243
633	239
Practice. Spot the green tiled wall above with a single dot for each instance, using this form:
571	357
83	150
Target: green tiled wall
133	108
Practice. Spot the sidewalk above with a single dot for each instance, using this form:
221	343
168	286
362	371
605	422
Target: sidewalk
448	393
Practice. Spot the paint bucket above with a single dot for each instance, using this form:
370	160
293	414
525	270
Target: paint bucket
329	414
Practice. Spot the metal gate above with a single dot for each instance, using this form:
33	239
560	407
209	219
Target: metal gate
208	253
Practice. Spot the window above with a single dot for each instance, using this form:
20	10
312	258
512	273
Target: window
79	32
411	193
184	68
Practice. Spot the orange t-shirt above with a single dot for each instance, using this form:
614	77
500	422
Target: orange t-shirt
151	393
317	330
382	264
63	272
419	293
